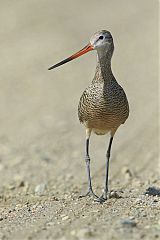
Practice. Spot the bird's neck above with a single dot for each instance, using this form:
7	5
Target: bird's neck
103	69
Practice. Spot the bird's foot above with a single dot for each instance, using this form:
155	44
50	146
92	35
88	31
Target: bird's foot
102	198
90	193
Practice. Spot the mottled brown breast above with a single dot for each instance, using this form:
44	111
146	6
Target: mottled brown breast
103	106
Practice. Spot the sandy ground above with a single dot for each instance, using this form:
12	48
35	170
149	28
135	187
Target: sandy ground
42	171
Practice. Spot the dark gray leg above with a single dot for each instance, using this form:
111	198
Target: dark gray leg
107	168
87	159
103	198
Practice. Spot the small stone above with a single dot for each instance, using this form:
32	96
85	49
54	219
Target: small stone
40	189
156	236
144	215
54	198
73	232
128	223
65	218
50	224
18	206
147	227
1	218
152	191
114	194
21	183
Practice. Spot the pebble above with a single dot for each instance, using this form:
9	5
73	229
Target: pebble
156	235
65	218
128	223
18	207
152	191
1	218
147	227
21	184
50	224
114	194
40	189
144	215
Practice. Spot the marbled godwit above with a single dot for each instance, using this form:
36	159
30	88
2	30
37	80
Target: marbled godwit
103	106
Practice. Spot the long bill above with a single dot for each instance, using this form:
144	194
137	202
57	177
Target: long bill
86	49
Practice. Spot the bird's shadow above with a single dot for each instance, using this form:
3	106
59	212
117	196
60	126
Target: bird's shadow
153	191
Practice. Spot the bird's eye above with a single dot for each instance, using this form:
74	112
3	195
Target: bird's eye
101	37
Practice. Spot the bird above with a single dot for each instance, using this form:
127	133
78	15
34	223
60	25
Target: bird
103	106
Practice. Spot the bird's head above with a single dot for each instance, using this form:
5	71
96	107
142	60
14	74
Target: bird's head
101	41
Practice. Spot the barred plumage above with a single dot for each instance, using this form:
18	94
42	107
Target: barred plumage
103	106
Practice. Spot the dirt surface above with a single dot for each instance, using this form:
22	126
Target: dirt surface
42	170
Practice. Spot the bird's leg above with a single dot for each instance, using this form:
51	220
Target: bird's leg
87	159
104	195
107	168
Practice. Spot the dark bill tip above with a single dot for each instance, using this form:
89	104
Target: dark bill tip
86	49
60	63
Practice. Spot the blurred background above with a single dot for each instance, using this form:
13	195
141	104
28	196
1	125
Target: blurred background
36	34
40	132
39	107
